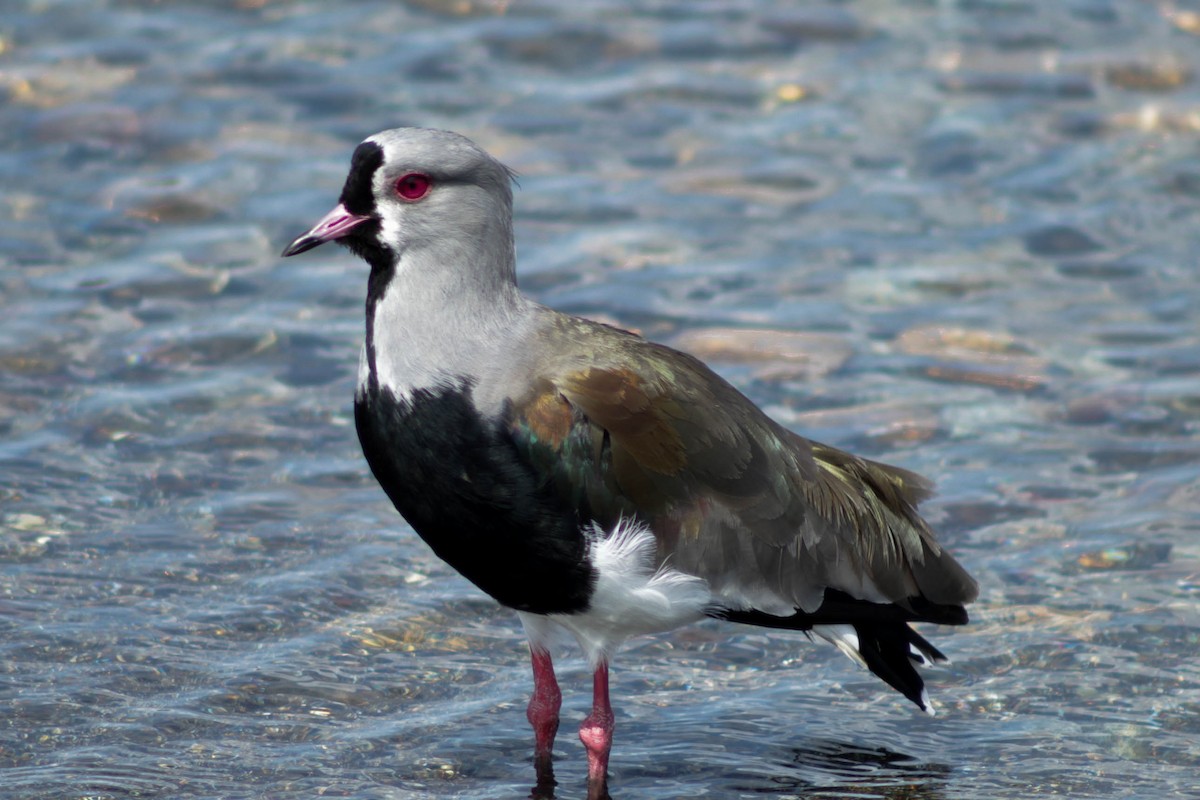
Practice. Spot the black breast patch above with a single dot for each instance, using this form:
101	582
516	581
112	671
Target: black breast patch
462	486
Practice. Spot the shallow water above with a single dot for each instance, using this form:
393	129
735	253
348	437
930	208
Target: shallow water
963	235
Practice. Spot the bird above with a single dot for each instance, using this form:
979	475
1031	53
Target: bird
595	481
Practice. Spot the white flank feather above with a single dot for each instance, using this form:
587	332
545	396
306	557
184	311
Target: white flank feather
632	596
844	638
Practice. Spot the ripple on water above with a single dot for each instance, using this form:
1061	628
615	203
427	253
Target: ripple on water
957	237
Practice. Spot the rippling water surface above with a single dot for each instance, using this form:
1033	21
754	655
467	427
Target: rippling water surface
960	236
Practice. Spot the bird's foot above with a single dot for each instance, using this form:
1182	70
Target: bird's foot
598	791
544	770
542	711
596	733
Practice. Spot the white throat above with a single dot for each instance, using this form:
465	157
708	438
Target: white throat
436	325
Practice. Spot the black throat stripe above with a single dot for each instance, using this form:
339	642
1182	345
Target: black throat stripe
358	195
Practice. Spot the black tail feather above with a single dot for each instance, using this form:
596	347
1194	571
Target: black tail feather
839	608
922	652
886	644
888	651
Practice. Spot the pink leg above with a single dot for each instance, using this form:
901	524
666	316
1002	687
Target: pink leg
542	713
596	735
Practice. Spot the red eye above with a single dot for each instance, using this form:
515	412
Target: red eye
413	186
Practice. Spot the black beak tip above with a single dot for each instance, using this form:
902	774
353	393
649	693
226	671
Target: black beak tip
301	245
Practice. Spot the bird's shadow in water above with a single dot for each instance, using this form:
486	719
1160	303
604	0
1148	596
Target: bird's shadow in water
816	770
830	767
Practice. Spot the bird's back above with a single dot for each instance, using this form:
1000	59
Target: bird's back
621	426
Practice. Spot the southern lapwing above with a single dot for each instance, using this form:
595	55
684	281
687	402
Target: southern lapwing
595	481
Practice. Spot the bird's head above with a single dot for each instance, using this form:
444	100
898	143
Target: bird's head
410	188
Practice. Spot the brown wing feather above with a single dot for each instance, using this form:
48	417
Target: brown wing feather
755	509
634	414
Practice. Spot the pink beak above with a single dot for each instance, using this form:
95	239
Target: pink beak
334	225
